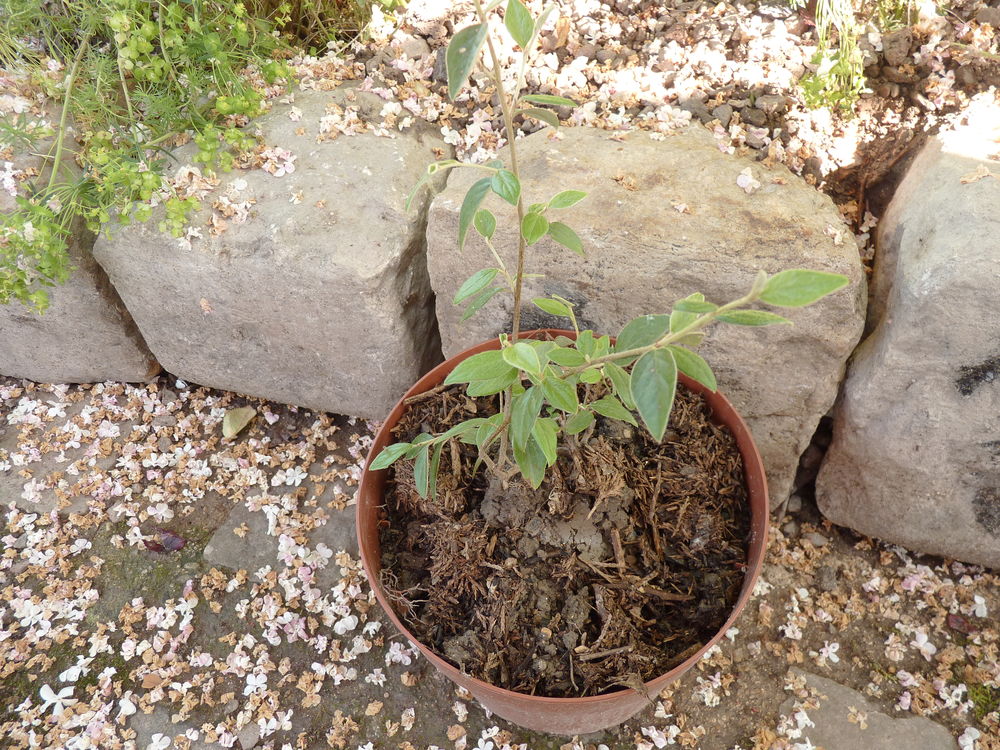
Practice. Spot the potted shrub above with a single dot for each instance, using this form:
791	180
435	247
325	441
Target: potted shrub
564	522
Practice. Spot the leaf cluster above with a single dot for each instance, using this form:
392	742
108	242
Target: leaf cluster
131	75
554	391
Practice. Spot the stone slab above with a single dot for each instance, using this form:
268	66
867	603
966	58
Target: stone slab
319	299
915	457
834	729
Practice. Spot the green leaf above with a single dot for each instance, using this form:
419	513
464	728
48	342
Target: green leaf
519	23
537	208
488	429
477	304
585	342
560	394
531	461
546	434
602	346
567	357
506	185
591	376
654	384
533	227
475	284
551	306
420	470
460	59
620	380
523	413
470	204
523	357
578	422
680	319
389	455
482	366
485	222
554	101
435	465
542	349
642	331
424	179
567	198
565	237
799	287
694	367
752	318
236	420
695	306
542	115
611	407
461	428
493	385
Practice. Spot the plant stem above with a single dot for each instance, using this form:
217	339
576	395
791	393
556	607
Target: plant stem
695	325
508	125
61	136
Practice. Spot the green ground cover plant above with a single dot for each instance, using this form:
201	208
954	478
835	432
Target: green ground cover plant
134	78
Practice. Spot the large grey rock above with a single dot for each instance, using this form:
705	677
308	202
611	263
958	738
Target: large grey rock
321	298
835	730
86	335
642	255
915	457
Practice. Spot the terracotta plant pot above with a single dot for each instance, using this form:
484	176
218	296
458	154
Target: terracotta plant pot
560	715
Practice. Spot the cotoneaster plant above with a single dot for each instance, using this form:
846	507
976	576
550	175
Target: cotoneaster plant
541	403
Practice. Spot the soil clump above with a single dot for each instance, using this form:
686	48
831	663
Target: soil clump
625	561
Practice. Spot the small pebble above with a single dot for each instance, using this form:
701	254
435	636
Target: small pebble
753	116
723	113
791	528
826	578
816	539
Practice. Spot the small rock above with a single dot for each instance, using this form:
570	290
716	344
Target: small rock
826	578
440	74
896	46
990	16
753	116
414	47
587	51
603	55
816	539
794	504
813	166
965	75
249	736
899	74
697	109
889	90
164	444
723	113
757	138
772	104
791	528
